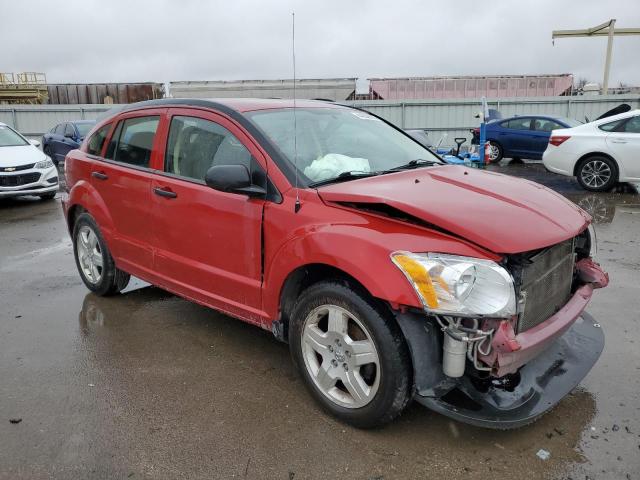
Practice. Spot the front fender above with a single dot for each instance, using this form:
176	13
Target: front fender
361	251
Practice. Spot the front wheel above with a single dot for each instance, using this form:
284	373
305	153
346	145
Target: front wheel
93	259
351	354
597	173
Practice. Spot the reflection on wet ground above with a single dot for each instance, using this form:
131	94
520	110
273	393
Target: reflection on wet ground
147	385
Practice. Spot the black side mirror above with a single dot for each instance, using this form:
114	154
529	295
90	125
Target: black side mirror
233	179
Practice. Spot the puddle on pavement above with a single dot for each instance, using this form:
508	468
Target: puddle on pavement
178	388
226	382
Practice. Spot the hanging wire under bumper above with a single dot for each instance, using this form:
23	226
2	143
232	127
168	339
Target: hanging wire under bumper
543	382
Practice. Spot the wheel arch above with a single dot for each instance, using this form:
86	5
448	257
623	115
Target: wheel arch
596	154
302	278
84	198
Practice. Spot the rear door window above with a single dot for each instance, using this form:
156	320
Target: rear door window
544	125
96	142
132	141
517	124
69	131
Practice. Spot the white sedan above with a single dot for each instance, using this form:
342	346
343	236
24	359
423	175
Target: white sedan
599	153
24	168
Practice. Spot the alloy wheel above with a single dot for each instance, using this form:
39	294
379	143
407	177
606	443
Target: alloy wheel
595	173
494	152
340	356
89	254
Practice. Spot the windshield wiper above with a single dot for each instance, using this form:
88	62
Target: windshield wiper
344	176
417	163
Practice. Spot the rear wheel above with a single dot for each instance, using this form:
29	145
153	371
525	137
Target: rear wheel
353	358
495	152
93	259
597	173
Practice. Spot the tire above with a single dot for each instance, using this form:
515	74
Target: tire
48	196
93	259
597	173
358	368
496	153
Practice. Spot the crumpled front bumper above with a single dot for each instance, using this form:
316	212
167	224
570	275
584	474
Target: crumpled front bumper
531	371
511	351
544	381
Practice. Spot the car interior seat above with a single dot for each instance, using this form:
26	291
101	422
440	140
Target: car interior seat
138	150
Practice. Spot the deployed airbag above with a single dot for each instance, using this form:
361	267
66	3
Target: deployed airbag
333	164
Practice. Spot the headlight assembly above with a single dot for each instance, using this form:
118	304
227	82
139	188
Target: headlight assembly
462	286
44	164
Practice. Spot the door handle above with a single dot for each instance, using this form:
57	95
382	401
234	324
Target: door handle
99	175
619	141
163	192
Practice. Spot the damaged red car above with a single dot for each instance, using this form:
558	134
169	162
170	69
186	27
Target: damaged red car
392	276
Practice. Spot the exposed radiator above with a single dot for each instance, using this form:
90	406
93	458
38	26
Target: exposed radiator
546	284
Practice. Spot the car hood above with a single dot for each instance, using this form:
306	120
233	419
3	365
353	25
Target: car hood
498	212
20	155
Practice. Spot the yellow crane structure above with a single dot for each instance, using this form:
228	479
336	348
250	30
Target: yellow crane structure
607	29
25	87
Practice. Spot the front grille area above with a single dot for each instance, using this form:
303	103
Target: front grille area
545	284
18	168
17	180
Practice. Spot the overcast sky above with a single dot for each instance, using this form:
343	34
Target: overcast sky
163	40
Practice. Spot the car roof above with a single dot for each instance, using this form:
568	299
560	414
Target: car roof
549	117
240	105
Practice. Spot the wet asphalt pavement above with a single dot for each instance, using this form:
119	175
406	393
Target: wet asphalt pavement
147	385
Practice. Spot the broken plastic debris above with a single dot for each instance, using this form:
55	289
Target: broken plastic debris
91	385
543	454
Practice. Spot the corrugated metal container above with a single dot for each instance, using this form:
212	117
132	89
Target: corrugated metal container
506	86
456	117
336	89
35	120
105	93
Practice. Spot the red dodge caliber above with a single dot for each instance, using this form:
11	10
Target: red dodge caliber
391	275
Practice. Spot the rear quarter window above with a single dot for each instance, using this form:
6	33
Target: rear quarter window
611	126
96	141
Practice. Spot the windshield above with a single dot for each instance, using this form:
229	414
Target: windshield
332	141
83	128
10	138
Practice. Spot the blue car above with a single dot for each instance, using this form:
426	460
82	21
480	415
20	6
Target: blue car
65	137
525	136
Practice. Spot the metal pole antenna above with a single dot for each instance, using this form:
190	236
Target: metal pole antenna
295	119
606	29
